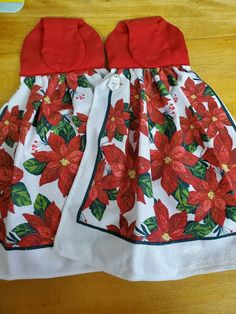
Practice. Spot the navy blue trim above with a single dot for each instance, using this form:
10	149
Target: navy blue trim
25	248
97	159
154	243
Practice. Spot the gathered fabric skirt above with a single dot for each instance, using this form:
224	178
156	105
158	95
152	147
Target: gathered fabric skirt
146	164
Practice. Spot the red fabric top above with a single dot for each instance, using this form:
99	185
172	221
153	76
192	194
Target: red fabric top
59	45
147	42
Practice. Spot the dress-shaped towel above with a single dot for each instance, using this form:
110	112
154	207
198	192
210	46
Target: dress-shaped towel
128	168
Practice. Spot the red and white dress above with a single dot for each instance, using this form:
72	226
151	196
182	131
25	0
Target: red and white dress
124	164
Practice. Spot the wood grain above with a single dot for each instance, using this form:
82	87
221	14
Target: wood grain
209	28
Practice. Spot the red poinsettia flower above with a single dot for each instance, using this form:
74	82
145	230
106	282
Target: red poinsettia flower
10	125
83	118
9	174
211	196
89	72
72	77
25	126
45	229
192	128
223	156
139	123
195	93
2	230
124	229
170	160
215	119
72	80
97	190
62	162
135	96
169	228
164	72
52	101
116	120
154	99
126	169
34	96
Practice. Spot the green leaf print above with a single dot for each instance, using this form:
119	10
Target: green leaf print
209	221
143	94
181	195
99	155
199	170
40	204
42	128
34	166
205	138
67	98
9	142
231	212
65	130
208	91
29	81
190	209
162	88
97	209
83	82
191	147
168	128
83	143
127	74
151	223
62	78
197	230
119	137
36	104
20	195
153	72
23	229
127	107
144	181
76	121
172	81
112	194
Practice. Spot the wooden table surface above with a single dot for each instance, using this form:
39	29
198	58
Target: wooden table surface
209	28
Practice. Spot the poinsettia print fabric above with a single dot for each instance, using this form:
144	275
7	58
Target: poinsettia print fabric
165	169
166	165
42	140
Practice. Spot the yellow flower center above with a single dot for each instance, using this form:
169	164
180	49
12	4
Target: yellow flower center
47	100
7	122
166	237
225	167
167	160
112	119
147	98
136	96
193	96
64	162
214	119
191	126
211	195
131	173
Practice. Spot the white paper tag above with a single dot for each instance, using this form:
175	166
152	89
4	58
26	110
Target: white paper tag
114	82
